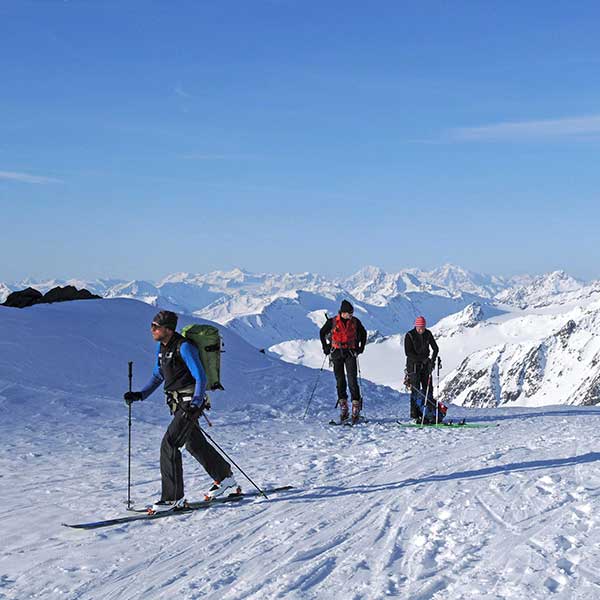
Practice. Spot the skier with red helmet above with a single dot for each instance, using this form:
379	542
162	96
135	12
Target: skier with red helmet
344	337
419	369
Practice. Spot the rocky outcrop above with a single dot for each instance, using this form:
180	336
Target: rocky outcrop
31	296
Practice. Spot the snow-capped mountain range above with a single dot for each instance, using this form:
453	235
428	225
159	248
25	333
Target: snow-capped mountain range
268	309
496	334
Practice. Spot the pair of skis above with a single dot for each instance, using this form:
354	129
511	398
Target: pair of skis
447	425
190	507
443	425
349	422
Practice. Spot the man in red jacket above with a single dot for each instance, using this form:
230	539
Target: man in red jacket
344	337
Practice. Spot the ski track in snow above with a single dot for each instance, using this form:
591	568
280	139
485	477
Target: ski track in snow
377	511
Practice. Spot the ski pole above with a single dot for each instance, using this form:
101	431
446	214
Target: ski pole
437	389
359	383
233	462
315	387
426	402
420	393
129	445
206	406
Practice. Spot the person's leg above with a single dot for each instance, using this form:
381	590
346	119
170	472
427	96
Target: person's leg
340	378
171	470
415	396
207	455
352	374
426	392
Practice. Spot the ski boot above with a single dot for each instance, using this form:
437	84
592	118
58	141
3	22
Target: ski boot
166	505
226	487
355	412
343	410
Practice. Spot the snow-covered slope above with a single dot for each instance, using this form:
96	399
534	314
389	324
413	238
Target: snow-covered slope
268	321
553	289
86	345
549	356
4	292
376	511
291	307
456	280
374	285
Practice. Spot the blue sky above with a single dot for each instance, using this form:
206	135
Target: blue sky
143	138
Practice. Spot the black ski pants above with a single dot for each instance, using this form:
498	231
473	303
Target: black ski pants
185	432
419	380
344	363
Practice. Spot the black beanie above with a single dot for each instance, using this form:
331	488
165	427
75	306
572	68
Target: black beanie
346	307
166	318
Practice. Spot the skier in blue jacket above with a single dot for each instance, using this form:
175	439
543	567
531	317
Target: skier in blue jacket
178	366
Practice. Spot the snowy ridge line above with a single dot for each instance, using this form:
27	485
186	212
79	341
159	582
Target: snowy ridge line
268	309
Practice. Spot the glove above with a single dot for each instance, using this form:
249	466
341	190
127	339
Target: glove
196	408
130	397
326	350
431	365
360	350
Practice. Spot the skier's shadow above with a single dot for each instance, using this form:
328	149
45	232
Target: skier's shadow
532	465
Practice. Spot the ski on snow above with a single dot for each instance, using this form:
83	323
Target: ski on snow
449	424
348	422
191	507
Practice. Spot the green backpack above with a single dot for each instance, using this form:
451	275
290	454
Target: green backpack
208	341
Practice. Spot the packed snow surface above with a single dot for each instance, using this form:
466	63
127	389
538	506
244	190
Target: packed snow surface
377	510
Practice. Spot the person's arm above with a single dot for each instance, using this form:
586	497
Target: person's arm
434	347
409	348
362	336
191	357
324	332
156	379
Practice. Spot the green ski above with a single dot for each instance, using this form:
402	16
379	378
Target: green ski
448	425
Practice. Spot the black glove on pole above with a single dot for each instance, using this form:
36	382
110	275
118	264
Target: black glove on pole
129	450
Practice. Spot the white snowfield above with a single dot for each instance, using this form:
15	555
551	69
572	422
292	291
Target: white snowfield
378	510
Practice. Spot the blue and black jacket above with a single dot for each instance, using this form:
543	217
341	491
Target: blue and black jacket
178	366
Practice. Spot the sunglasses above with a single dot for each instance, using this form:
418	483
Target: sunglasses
155	326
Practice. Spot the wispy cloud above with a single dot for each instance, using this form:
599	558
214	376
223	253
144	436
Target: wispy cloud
219	156
179	91
569	127
27	178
